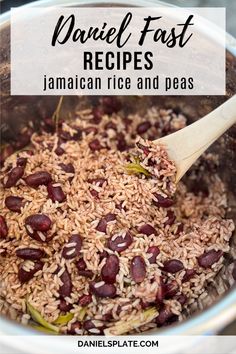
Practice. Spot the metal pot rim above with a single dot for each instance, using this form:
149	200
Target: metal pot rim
218	315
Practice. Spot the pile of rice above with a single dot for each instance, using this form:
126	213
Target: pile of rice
198	227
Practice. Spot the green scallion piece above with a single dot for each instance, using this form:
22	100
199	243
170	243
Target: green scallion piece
122	327
37	317
135	168
64	319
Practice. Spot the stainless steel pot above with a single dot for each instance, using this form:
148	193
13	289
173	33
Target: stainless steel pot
219	309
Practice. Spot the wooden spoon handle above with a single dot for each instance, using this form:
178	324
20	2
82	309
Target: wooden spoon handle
186	145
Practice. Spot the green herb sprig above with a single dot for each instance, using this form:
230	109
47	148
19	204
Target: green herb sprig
135	168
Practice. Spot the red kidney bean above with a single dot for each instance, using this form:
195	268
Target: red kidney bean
90	130
143	127
161	201
55	192
160	294
81	265
28	269
120	243
172	266
73	327
59	151
73	247
110	269
102	289
40	236
94	327
14	176
102	225
121	142
38	178
147	229
180	228
3	227
21	161
110	104
86	273
30	253
39	222
97	115
189	273
154	251
207	259
5	153
171	289
64	306
138	269
110	217
14	203
181	298
37	225
68	168
66	288
85	300
95	145
171	218
110	125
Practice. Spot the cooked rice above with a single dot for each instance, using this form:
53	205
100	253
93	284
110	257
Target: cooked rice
130	197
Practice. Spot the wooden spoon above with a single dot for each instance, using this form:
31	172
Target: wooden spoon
186	145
